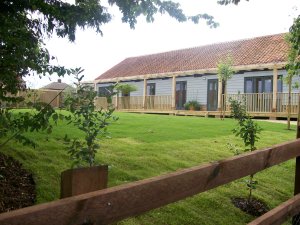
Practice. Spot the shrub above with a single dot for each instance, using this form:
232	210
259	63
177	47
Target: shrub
192	105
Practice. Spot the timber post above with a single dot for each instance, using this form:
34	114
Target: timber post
117	101
296	219
220	95
275	88
145	94
173	92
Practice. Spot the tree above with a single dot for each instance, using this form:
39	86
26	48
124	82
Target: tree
292	71
248	131
225	72
125	89
293	65
25	24
91	122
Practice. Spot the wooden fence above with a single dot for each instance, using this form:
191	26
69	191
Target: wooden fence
37	95
254	102
130	102
263	102
282	102
163	102
160	102
116	203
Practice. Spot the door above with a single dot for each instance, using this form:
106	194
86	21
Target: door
261	96
180	94
212	95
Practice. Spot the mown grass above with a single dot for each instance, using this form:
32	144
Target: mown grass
143	146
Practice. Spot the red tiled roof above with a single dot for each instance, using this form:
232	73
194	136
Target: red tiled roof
259	50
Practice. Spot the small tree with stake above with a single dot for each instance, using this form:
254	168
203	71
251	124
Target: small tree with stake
86	118
93	123
225	72
249	131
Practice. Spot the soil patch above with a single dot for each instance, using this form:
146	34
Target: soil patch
254	207
17	187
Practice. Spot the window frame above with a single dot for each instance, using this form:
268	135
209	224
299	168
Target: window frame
263	79
151	86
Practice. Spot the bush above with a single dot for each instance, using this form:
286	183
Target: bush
192	105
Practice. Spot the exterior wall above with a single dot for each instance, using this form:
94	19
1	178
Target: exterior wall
236	83
197	86
162	86
139	85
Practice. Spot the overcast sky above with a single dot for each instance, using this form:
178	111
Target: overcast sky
96	53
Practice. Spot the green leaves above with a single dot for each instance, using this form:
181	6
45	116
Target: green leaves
14	125
225	69
86	118
248	131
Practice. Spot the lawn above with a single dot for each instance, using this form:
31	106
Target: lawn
143	146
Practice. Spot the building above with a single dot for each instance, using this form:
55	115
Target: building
58	86
166	81
54	93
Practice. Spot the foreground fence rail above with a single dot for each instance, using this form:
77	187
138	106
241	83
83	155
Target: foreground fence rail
114	204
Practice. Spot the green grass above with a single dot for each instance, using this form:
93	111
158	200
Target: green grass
143	146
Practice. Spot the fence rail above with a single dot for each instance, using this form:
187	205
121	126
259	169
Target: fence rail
114	204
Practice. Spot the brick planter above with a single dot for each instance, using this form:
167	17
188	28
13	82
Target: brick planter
83	180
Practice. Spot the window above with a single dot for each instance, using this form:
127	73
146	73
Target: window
151	89
261	84
105	91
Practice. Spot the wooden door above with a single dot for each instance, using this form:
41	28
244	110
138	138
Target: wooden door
212	95
180	94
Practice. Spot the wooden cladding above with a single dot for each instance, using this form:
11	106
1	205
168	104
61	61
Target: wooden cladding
114	204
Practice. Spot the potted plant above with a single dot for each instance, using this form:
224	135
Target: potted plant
192	105
93	125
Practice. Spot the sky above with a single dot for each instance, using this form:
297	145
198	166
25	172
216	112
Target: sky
96	54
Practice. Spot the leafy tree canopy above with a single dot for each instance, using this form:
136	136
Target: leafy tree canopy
294	39
25	24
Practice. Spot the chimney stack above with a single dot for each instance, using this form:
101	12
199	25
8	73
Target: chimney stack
59	80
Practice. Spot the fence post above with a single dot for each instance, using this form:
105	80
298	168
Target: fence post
296	219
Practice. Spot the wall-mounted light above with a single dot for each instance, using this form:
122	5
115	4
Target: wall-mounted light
204	78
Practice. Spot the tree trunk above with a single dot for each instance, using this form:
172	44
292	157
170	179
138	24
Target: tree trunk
289	106
224	102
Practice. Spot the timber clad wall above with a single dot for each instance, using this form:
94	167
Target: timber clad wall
197	86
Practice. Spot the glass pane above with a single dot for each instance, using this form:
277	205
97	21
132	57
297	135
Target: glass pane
259	86
150	89
248	86
268	86
279	83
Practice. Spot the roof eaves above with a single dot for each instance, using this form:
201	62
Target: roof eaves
278	65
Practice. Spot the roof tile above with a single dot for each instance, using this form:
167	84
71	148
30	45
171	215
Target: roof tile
259	50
